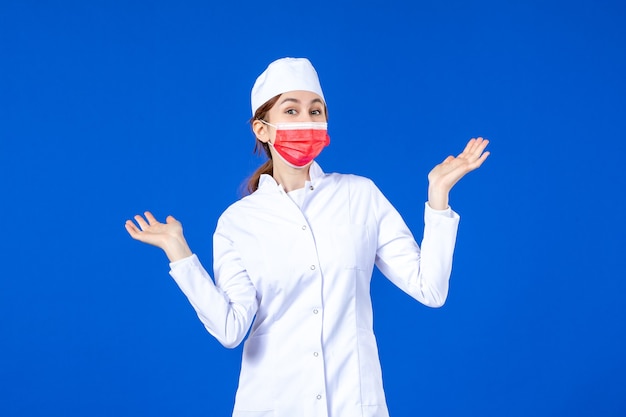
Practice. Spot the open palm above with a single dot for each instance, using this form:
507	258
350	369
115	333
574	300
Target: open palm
167	236
452	169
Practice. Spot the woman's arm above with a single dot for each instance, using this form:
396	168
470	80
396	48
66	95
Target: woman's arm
226	309
423	272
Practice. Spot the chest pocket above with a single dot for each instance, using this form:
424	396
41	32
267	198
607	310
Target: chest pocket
354	246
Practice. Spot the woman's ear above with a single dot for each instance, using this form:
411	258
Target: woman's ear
260	131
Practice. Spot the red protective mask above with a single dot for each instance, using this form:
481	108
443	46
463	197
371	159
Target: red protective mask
299	143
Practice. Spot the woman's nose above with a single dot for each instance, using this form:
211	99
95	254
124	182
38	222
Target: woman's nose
306	117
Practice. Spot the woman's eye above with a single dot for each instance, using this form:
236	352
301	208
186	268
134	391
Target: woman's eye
291	111
316	112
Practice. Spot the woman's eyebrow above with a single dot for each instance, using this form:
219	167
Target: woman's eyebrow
289	99
295	100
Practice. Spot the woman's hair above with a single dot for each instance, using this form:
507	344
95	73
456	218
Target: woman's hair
261	148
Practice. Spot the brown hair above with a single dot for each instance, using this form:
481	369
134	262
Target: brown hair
261	148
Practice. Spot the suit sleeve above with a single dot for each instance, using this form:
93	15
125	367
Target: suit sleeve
227	306
422	272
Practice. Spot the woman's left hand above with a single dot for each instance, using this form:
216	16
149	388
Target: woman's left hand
443	177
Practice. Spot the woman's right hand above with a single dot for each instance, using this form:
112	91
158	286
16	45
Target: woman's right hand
167	236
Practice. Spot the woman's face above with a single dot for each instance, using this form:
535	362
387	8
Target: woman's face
297	106
291	107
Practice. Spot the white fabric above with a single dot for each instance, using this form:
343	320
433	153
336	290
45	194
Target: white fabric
298	125
298	195
304	275
283	75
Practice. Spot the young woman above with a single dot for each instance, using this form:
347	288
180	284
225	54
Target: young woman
294	260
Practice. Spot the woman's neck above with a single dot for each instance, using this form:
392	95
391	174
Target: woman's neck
290	178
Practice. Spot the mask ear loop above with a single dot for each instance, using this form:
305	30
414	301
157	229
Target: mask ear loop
267	123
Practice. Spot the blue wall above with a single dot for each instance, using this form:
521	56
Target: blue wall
111	108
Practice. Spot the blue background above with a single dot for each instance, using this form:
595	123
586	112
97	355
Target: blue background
110	108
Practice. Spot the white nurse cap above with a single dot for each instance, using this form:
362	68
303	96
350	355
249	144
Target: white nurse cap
283	75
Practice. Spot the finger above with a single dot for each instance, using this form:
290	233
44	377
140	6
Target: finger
468	147
475	144
151	219
476	164
484	156
477	148
480	148
483	145
470	144
131	229
479	141
141	222
170	219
